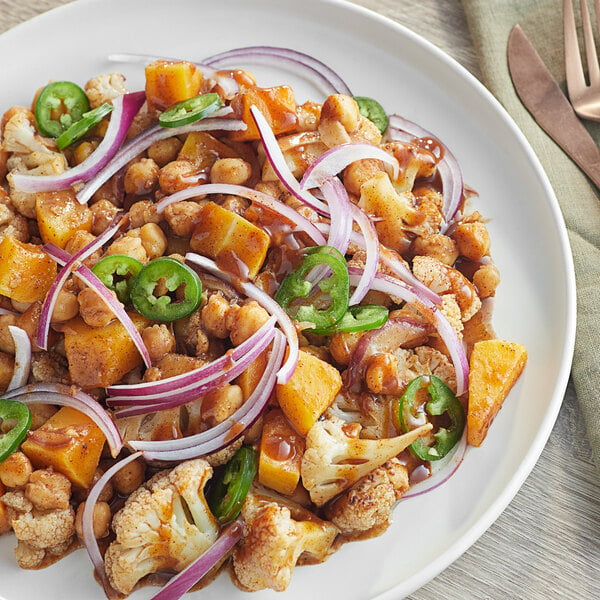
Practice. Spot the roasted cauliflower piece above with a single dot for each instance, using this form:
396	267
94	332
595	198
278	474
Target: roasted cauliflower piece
367	506
164	525
277	536
105	88
336	457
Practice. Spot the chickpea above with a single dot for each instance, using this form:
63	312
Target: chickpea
142	212
130	246
246	321
230	170
7	343
213	316
101	519
220	403
381	375
66	307
129	478
177	175
40	413
108	491
103	213
15	470
159	341
473	240
438	246
235	204
48	490
141	177
29	321
341	108
153	240
93	309
342	346
486	279
83	151
360	171
164	151
183	217
80	239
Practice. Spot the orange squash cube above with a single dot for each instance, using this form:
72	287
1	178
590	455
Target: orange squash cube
60	215
280	455
26	271
277	104
101	356
69	442
168	82
239	246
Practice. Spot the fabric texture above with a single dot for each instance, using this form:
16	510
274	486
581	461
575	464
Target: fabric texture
490	23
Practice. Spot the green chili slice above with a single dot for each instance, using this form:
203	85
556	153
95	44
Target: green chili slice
181	286
358	318
190	110
88	121
299	296
118	272
58	106
230	486
372	110
442	401
15	421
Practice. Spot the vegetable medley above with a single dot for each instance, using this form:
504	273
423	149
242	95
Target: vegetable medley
235	329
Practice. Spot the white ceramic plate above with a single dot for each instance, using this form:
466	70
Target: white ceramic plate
535	303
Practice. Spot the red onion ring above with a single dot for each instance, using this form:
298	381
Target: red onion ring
393	287
186	579
86	275
228	431
252	291
340	213
125	109
89	539
336	159
303	64
450	173
260	198
145	139
64	395
22	358
61	278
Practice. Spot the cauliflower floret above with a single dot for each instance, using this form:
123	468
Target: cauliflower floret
39	532
11	223
105	88
367	506
277	536
165	524
336	457
20	136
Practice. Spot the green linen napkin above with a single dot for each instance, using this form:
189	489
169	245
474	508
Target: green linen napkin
490	22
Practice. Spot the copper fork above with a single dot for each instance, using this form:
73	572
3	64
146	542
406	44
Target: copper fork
585	97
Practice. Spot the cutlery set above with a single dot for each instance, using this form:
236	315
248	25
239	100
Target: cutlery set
543	97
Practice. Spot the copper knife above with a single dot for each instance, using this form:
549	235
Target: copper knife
544	99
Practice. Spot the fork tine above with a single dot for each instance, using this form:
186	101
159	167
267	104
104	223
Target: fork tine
573	64
590	45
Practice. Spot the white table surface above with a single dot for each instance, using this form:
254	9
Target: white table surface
546	544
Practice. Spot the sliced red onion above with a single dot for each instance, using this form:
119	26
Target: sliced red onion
125	109
340	214
252	291
22	358
393	287
303	64
443	474
72	264
228	431
260	198
371	247
395	333
89	539
335	160
5	311
277	161
145	139
181	583
450	173
86	275
64	395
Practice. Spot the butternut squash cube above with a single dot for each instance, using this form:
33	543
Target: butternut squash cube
239	246
310	390
280	455
69	442
277	104
60	215
101	356
168	82
249	379
495	367
203	149
26	271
